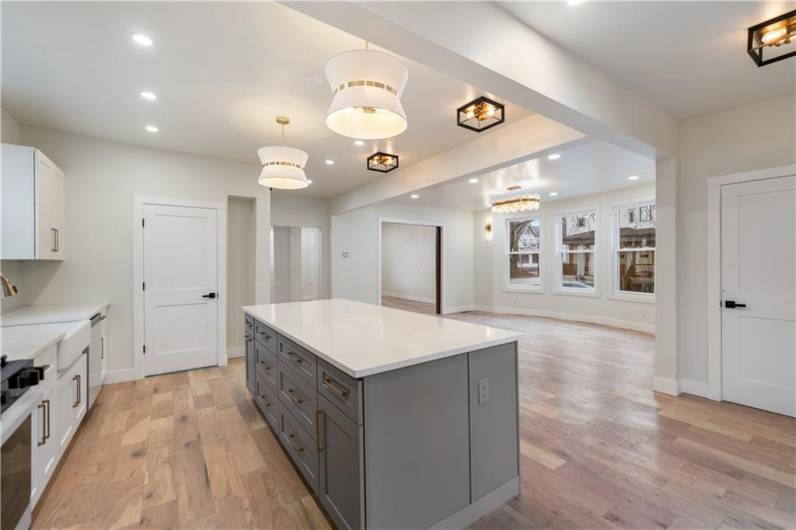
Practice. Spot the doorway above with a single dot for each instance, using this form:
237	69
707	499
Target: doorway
296	264
180	281
758	294
410	265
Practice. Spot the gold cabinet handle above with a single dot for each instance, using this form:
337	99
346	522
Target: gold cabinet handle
43	408
291	393
294	358
76	379
341	392
318	446
47	402
53	240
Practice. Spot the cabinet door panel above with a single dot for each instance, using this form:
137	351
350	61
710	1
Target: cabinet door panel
49	209
341	469
80	381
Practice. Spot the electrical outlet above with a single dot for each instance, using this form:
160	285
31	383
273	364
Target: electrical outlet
483	391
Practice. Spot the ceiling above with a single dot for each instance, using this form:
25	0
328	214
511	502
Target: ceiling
221	71
686	58
586	168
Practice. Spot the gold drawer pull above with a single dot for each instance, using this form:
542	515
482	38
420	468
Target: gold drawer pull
341	392
294	358
291	393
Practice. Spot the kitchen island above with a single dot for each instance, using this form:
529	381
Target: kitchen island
394	419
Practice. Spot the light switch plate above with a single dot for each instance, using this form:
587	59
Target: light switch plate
483	391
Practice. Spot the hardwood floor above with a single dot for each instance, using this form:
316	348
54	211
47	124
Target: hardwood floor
426	308
599	450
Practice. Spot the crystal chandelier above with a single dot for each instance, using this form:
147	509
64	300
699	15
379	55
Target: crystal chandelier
525	202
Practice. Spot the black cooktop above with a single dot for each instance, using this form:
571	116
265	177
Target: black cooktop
17	377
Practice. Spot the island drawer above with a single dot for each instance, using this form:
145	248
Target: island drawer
299	359
266	363
249	328
301	448
298	397
342	390
267	402
265	335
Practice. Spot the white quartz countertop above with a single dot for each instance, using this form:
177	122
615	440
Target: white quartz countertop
45	313
26	342
363	339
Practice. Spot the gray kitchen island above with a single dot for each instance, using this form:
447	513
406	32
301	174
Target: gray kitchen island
394	419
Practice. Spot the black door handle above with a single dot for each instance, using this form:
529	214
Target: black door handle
731	304
209	295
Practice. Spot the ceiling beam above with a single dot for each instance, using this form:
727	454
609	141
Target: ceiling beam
481	44
510	144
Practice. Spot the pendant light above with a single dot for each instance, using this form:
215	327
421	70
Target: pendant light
367	87
283	167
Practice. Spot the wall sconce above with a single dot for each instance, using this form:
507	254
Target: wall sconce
480	114
488	228
382	162
773	33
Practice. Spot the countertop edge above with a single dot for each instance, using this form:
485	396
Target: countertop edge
359	374
33	319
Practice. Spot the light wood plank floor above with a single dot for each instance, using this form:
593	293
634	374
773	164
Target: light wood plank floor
599	450
409	305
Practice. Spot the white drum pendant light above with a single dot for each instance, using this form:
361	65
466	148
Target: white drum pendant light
367	87
283	167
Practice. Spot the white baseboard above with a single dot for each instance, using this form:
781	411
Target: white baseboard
119	376
592	319
423	299
666	386
458	309
697	388
235	351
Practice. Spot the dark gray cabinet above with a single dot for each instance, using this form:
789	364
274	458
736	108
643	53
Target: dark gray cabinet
426	445
342	476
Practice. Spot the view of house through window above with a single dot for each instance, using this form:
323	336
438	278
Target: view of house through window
635	248
523	253
576	245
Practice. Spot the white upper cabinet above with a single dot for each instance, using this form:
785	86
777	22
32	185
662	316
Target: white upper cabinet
32	205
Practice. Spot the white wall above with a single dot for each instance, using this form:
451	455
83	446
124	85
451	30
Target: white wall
294	208
488	256
408	261
356	277
756	136
241	218
10	132
101	179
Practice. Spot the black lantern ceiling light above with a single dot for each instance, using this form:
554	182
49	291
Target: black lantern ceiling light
382	162
774	33
480	114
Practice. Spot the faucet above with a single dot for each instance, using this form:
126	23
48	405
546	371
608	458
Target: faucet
9	289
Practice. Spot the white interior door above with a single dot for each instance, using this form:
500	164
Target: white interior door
180	273
758	259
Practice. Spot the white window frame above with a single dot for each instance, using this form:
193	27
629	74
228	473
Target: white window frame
616	293
507	286
559	288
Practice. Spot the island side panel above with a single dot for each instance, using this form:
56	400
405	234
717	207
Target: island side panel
494	434
417	453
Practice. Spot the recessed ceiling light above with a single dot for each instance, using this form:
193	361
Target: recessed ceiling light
633	177
309	181
152	128
149	96
473	180
329	162
359	143
553	194
575	2
414	196
554	156
142	40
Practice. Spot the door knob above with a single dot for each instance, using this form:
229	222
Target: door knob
209	295
732	304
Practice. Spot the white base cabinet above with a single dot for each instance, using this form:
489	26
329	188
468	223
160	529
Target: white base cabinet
57	417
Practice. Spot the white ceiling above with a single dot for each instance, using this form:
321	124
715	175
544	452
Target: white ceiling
221	70
687	58
585	168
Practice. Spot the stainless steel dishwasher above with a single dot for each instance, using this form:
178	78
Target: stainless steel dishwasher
96	352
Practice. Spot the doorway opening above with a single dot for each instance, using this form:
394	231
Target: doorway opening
241	244
411	267
295	264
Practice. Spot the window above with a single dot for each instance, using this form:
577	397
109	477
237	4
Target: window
522	254
577	257
634	249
